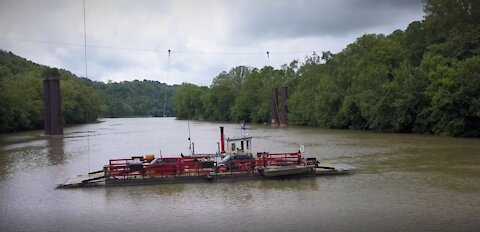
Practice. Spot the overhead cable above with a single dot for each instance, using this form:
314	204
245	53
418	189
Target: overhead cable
179	52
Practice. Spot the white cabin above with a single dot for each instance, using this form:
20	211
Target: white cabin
241	145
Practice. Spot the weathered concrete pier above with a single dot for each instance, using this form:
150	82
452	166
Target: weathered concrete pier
52	104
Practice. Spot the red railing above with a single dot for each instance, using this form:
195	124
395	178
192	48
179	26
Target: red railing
170	166
123	167
196	165
279	159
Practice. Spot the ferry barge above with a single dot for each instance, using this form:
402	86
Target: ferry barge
237	162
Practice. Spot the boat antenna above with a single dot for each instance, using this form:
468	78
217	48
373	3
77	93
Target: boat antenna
242	127
189	137
86	76
166	86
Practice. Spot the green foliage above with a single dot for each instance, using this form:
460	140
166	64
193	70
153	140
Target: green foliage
304	92
22	106
80	103
135	98
454	95
188	101
83	100
251	92
242	94
452	27
21	93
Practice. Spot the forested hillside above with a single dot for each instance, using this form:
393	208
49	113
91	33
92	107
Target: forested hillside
21	104
425	79
136	98
83	100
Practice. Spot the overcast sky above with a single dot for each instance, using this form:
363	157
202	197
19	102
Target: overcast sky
128	40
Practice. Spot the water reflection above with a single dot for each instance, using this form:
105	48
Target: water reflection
144	192
290	184
3	165
55	149
22	152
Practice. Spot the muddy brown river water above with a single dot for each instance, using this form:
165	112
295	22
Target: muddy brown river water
403	182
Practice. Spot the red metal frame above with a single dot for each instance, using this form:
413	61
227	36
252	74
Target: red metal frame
280	159
171	166
192	165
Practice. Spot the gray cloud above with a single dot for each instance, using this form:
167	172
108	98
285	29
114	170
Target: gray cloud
293	19
200	33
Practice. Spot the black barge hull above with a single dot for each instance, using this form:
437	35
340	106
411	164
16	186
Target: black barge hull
182	179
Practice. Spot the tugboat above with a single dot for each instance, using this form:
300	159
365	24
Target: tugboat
234	161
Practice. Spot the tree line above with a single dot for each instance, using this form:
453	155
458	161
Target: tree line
135	98
425	79
21	97
83	100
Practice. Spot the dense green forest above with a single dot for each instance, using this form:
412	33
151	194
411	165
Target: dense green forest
425	79
135	98
21	104
83	100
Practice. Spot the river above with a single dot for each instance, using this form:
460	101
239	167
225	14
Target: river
403	182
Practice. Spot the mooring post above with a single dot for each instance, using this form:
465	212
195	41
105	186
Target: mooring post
52	104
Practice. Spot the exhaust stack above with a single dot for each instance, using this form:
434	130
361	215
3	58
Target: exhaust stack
222	141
